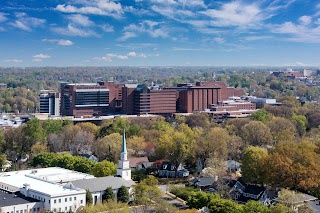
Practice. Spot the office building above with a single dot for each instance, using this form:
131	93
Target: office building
50	102
84	99
140	99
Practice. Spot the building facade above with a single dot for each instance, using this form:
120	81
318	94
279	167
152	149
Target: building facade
50	103
84	99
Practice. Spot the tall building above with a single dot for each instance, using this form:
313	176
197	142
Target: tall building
142	100
50	102
124	169
84	99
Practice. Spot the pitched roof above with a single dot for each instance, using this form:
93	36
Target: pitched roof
101	183
135	161
203	181
254	190
124	143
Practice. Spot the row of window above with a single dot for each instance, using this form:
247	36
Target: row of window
56	200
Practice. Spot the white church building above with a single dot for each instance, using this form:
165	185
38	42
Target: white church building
58	190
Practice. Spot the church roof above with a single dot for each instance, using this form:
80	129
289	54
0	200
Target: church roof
101	183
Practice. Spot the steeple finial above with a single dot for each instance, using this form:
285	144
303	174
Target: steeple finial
124	142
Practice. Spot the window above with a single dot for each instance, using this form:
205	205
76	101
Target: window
59	209
21	211
69	208
59	200
75	198
70	198
66	200
55	201
49	201
81	201
66	208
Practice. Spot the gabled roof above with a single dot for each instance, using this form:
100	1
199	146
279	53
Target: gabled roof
203	181
135	161
254	190
102	183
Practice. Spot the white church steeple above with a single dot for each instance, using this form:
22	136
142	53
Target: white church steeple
124	169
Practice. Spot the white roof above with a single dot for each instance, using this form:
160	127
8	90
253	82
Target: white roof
54	174
38	185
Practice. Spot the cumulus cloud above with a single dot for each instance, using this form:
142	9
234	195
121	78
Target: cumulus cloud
305	20
127	35
61	42
99	7
107	28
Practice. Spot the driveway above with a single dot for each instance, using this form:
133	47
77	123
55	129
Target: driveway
175	202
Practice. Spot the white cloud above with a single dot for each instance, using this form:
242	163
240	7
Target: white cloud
72	30
26	23
150	27
219	40
3	17
21	26
110	56
236	13
98	7
41	56
37	60
13	61
305	20
80	20
127	35
107	28
256	38
61	42
305	31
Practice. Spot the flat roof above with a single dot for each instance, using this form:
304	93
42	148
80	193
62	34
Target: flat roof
54	174
41	186
11	199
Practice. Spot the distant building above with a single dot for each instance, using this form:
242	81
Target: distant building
171	170
50	102
84	99
148	100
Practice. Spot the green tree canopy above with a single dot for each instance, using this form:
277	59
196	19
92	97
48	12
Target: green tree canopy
104	168
123	194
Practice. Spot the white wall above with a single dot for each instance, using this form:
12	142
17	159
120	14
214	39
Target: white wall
22	208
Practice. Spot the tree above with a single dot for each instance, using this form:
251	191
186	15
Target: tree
198	120
108	147
294	165
261	115
282	129
136	145
108	194
89	199
253	169
32	133
255	207
301	123
256	133
280	208
52	126
2	141
104	168
123	194
200	199
3	160
147	191
220	205
213	145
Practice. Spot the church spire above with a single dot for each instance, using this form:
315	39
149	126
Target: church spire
124	142
124	170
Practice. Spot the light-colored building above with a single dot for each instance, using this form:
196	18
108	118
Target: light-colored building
97	186
50	102
54	196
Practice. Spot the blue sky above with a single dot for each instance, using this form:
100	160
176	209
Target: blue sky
159	33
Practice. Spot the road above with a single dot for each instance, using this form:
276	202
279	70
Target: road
175	202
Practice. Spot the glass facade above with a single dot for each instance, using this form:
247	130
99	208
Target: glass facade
92	98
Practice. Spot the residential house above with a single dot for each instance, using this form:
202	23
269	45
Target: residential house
171	170
139	163
243	192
